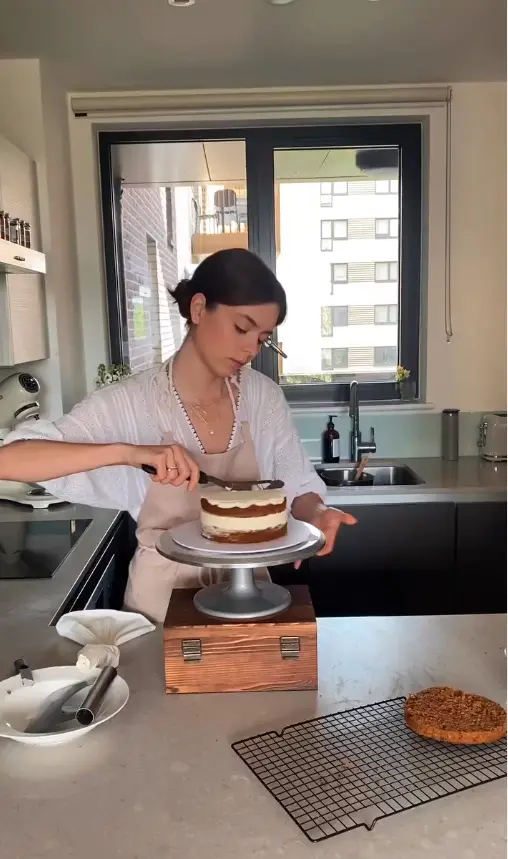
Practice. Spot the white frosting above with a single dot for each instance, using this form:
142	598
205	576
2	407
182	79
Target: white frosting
230	498
233	525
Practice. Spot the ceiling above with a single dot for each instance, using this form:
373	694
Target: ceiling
143	44
223	161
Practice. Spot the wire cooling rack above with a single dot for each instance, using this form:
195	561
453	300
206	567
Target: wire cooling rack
350	769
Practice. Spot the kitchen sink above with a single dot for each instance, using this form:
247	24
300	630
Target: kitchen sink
383	475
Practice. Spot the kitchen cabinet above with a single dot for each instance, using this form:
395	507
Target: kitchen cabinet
22	319
397	560
22	300
104	580
479	581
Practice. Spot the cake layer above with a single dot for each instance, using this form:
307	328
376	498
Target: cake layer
232	524
254	510
226	498
246	536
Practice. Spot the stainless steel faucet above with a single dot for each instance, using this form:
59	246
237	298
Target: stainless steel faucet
357	446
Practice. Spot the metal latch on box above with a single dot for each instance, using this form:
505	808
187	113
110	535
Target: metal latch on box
290	647
192	649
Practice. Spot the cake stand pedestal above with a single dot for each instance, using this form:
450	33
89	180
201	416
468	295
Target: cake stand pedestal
241	598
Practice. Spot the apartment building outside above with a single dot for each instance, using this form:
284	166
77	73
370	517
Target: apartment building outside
337	251
339	263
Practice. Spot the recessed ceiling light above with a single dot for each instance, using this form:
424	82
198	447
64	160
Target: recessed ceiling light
181	2
280	2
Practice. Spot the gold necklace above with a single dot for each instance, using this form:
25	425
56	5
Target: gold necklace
208	414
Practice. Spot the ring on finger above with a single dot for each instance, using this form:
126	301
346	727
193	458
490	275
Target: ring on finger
172	468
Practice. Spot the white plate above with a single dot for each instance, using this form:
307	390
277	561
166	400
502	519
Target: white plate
19	704
189	536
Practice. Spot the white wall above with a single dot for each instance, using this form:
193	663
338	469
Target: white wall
61	249
469	372
33	116
21	121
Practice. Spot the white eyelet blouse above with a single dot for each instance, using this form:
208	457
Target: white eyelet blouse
140	409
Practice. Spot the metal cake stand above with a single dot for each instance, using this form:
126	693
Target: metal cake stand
241	598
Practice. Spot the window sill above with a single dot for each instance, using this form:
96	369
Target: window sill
387	406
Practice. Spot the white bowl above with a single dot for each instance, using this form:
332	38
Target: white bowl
19	704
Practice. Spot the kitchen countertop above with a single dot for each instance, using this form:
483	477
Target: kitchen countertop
161	781
36	596
469	479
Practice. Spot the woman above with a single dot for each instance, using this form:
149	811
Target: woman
203	409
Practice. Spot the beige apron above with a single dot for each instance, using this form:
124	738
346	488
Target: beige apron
152	577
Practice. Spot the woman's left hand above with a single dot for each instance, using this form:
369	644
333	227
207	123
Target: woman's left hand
309	507
329	520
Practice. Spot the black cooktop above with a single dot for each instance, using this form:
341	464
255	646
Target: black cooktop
35	550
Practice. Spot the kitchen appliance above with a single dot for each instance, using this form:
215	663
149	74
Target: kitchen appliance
450	435
36	549
18	400
492	437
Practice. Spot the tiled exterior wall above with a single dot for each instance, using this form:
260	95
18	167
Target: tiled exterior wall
150	267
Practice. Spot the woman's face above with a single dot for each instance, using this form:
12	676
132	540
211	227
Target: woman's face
226	338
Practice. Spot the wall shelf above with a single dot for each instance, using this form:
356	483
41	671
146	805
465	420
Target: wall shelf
15	259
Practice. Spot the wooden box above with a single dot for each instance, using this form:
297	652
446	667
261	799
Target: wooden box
206	655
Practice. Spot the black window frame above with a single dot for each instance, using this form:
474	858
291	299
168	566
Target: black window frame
261	144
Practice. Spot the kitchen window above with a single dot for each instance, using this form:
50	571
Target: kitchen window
386	314
273	205
387	228
385	272
332	231
329	190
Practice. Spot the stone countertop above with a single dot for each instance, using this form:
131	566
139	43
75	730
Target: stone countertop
37	597
161	781
469	479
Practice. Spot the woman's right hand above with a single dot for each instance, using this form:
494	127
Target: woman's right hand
173	465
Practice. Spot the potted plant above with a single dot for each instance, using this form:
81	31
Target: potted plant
113	373
403	383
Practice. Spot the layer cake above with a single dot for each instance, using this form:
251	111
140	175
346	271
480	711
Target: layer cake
253	516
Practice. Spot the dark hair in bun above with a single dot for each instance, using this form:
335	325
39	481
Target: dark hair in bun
235	277
182	295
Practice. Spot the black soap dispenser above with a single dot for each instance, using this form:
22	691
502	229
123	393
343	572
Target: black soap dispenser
331	442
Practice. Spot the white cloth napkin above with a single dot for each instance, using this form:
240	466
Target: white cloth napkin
101	631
